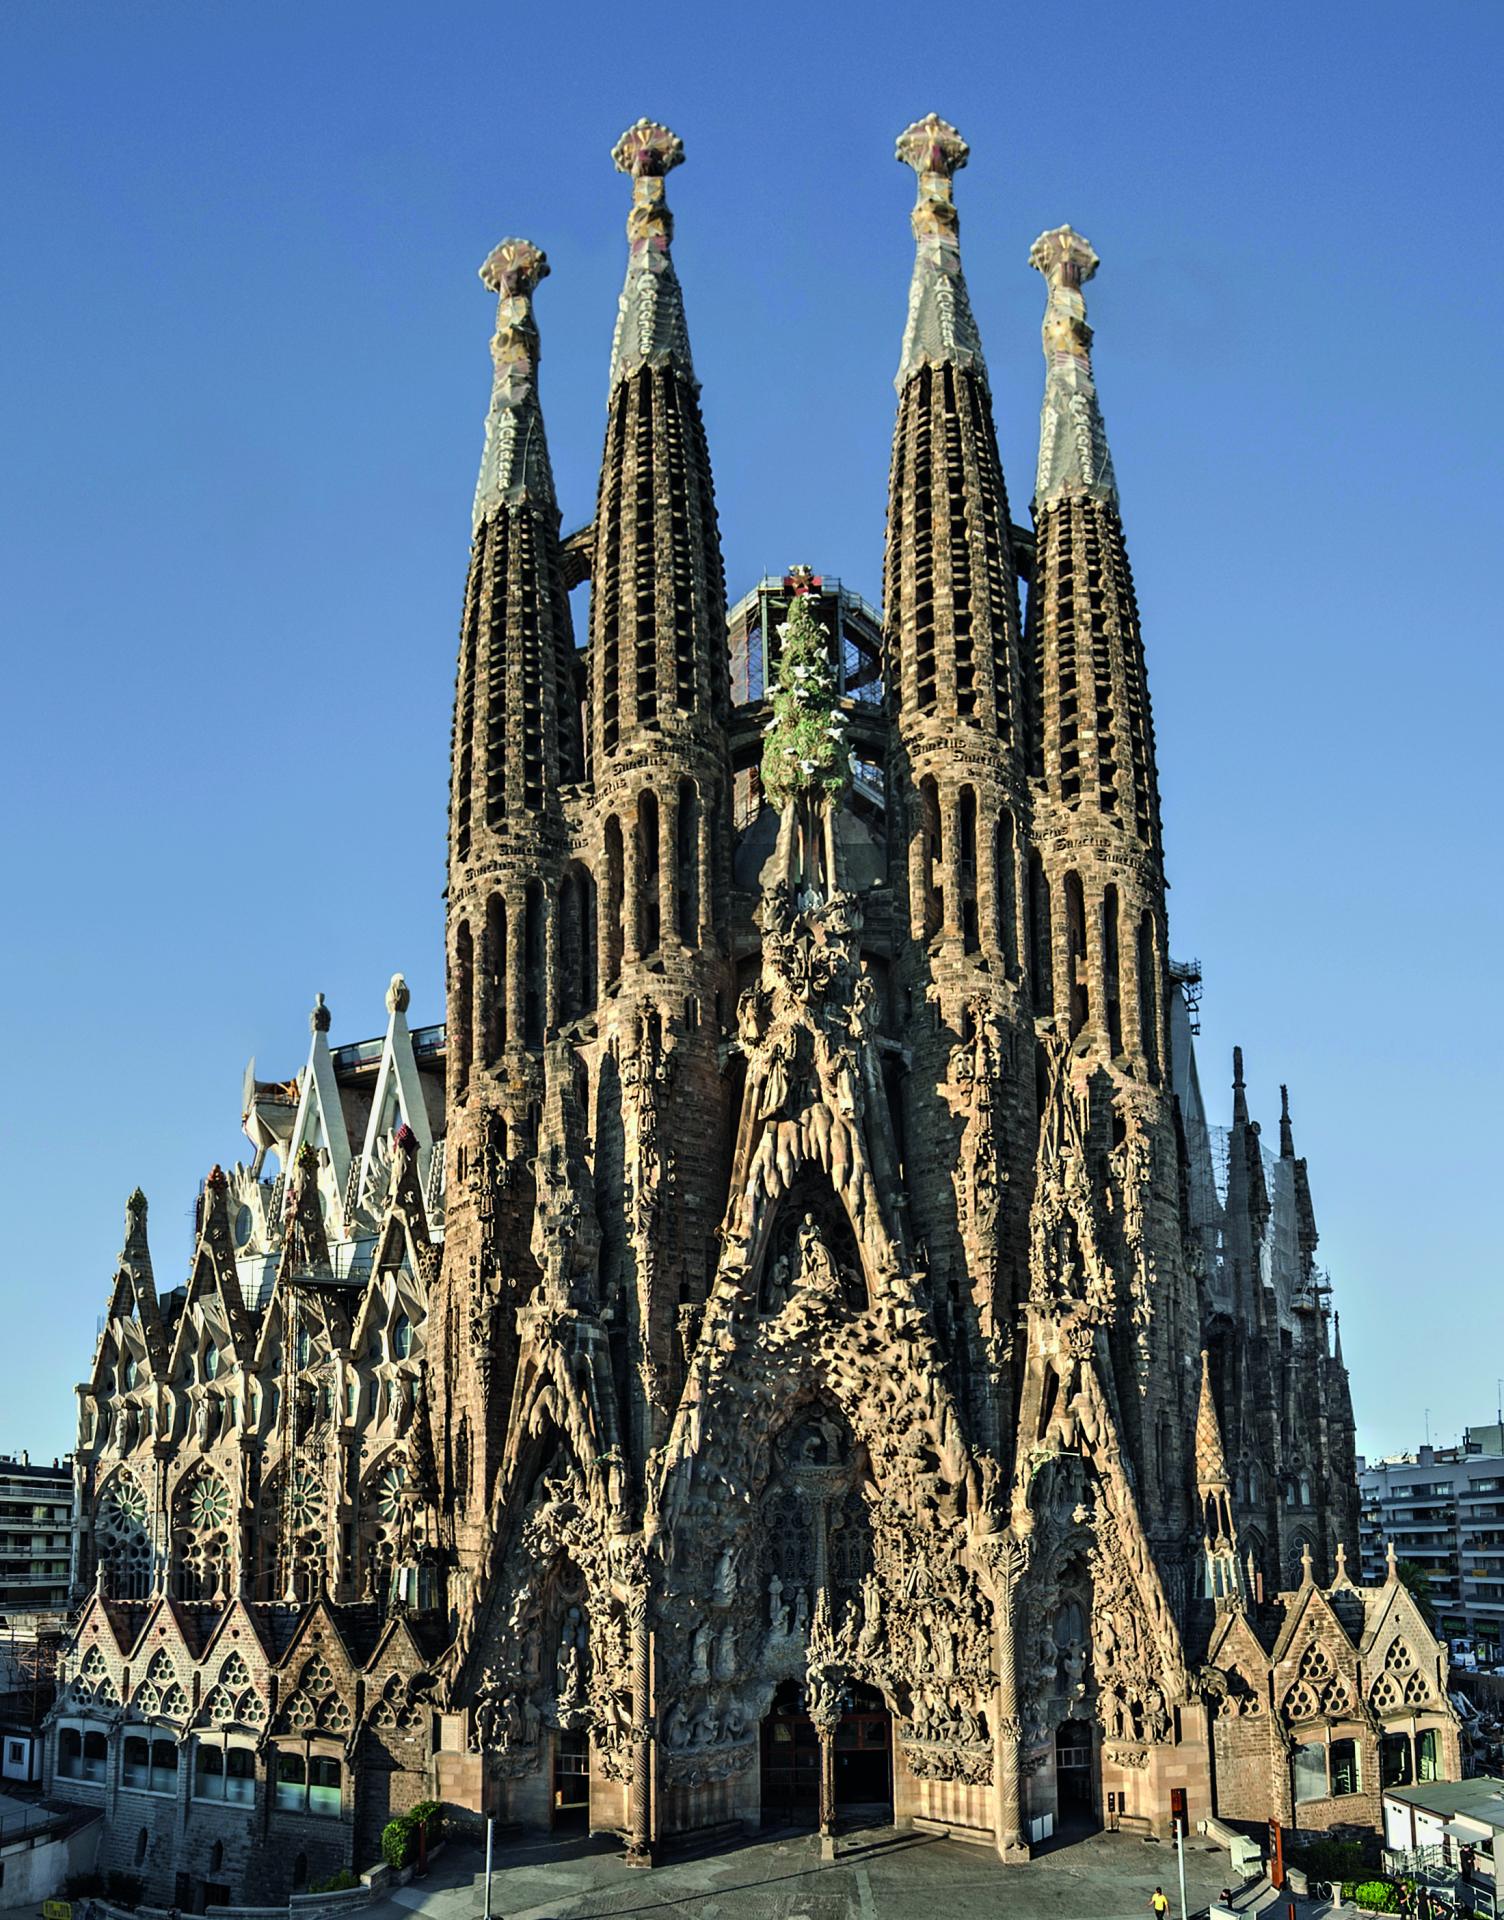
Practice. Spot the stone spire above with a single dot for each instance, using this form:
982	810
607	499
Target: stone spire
659	652
514	466
1239	1090
1073	455
650	328
1211	1466
941	330
1091	749
951	596
1286	1132
515	727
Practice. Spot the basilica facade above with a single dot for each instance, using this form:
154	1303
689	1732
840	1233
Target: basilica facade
793	1345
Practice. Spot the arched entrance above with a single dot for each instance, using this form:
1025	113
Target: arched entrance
791	1759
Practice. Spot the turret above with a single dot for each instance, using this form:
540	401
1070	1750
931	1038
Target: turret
952	596
1099	886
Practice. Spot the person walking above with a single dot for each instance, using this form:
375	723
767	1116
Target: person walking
1159	1903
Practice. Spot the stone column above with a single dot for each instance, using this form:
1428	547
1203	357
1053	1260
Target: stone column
631	890
668	868
516	980
639	1792
1004	1557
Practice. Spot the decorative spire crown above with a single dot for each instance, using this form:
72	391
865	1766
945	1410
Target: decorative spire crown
941	329
1286	1131
650	327
1239	1092
514	466
1073	455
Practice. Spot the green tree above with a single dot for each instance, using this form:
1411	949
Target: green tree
1418	1581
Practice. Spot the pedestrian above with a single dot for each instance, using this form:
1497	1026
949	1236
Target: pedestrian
1159	1903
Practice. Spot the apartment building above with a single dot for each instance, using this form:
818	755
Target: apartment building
36	1536
1443	1509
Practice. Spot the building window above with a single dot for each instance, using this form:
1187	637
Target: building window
150	1766
70	1754
225	1773
1344	1766
1310	1772
313	1787
1394	1760
402	1337
1426	1753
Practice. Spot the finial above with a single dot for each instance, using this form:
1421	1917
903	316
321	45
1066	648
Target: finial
932	145
216	1183
1239	1093
405	1140
1337	1338
1305	1563
941	330
937	153
514	269
648	150
1065	258
398	999
1286	1133
1073	453
318	1020
1391	1561
514	466
1341	1561
135	1208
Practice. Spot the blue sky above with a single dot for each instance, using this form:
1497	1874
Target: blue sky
243	367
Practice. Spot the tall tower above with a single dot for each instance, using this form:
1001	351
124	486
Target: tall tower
659	700
516	749
958	795
1100	975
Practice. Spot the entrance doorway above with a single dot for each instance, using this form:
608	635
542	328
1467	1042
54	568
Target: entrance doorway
864	1756
791	1759
571	1781
790	1762
1075	1773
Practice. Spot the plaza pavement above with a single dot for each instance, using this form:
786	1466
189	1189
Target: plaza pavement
879	1874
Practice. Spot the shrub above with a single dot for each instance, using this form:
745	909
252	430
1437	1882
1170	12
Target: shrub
428	1813
1329	1859
1375	1896
340	1882
399	1842
399	1837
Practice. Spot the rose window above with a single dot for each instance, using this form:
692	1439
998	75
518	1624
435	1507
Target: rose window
305	1498
390	1491
208	1503
120	1528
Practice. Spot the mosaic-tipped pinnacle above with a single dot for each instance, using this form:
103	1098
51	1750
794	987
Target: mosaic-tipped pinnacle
515	267
932	145
648	150
1062	254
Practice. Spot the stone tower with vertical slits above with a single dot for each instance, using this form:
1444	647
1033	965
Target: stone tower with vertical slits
958	795
516	754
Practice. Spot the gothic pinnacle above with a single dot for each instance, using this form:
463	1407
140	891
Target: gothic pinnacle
650	327
1073	455
1239	1092
514	466
941	329
1286	1132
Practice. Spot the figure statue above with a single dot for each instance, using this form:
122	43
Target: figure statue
700	1652
778	1610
